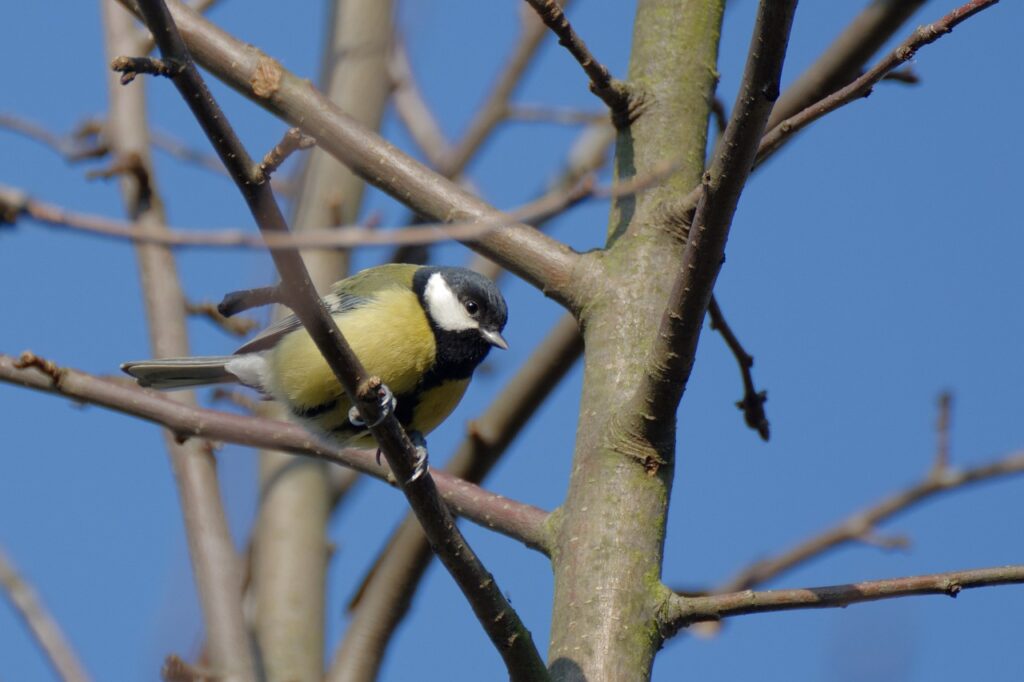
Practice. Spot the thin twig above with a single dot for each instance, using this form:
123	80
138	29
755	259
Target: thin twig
413	111
861	87
235	397
292	141
941	464
705	248
752	403
175	669
237	301
14	203
495	106
612	92
130	67
538	113
508	634
682	611
784	131
73	148
845	57
238	326
516	520
41	624
861	525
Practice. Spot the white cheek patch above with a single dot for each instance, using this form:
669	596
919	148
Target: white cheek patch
444	306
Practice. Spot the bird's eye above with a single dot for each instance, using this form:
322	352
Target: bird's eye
472	307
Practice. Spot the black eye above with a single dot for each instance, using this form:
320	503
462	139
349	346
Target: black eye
472	307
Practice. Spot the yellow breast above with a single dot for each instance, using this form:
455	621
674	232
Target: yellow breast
392	338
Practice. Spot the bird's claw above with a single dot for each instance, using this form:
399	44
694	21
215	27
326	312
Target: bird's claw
387	406
421	465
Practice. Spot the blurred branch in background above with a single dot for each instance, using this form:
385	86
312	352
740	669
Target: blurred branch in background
290	551
215	564
40	623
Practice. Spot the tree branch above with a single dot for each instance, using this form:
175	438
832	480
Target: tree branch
842	61
538	258
15	203
215	563
784	131
612	92
861	87
290	551
516	520
862	524
384	597
41	624
508	634
495	106
752	402
721	188
680	611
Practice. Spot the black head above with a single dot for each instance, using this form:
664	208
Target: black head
466	312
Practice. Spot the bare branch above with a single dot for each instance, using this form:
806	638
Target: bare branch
246	299
385	595
130	67
237	326
612	92
723	183
752	403
509	636
845	57
538	258
413	111
537	113
860	527
861	87
215	563
516	520
15	203
80	145
784	131
292	141
495	107
681	611
941	464
41	624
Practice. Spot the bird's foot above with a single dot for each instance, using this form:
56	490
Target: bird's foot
421	465
387	406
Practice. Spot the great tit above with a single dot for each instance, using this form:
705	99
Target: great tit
421	329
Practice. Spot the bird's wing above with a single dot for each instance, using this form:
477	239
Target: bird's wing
347	294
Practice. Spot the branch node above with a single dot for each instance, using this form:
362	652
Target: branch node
292	141
130	67
29	359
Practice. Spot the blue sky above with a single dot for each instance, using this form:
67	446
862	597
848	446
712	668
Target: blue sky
871	265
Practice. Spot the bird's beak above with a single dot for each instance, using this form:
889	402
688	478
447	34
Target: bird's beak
494	338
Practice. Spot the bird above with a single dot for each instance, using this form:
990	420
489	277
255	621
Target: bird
422	330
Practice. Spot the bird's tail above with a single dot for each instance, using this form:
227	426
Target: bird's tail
182	372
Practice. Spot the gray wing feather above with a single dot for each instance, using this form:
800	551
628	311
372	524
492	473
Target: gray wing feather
337	303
